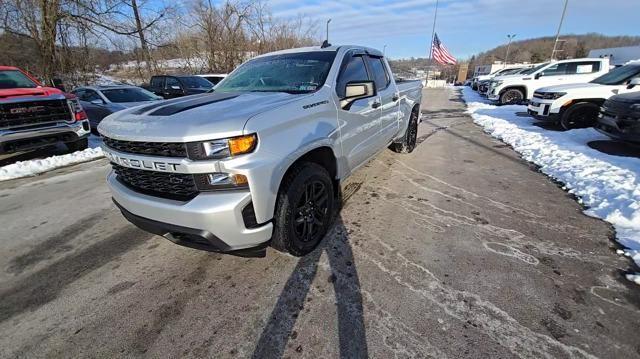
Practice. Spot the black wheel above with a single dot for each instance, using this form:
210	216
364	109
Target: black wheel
78	145
408	143
304	209
580	115
511	97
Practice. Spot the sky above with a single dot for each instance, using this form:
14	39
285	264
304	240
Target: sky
465	27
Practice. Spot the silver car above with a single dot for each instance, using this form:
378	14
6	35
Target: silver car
101	101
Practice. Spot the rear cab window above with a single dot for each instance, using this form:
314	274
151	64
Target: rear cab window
157	81
379	71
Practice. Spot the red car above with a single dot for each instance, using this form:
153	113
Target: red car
33	116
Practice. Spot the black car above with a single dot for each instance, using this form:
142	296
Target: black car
620	117
172	86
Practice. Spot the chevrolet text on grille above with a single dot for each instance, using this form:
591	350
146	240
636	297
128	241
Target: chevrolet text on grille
145	164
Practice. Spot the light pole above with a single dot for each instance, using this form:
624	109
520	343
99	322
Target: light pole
555	44
506	57
384	50
328	21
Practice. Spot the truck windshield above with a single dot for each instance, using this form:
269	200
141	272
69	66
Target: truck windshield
129	95
12	79
293	73
618	76
534	69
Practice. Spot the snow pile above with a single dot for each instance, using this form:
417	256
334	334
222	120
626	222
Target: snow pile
38	166
607	185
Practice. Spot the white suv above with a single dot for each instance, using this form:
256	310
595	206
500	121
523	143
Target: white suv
517	88
577	105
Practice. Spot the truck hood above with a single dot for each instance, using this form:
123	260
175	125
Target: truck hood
192	118
584	90
31	92
568	87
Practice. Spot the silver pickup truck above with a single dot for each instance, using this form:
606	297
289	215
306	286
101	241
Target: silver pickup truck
259	160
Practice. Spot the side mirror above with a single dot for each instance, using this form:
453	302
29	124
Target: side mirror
538	75
97	102
356	91
633	83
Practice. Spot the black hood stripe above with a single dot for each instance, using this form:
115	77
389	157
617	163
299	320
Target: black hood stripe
163	103
196	102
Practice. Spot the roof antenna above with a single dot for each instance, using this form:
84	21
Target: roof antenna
326	43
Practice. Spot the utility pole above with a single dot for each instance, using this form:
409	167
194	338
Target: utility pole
564	11
433	33
384	50
506	57
328	21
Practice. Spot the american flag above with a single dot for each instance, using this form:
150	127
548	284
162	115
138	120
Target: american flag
440	53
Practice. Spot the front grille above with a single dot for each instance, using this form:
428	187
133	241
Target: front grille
165	149
33	113
178	186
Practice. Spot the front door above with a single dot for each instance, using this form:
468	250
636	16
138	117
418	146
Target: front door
360	123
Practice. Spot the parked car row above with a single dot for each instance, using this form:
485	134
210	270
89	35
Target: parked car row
576	93
33	116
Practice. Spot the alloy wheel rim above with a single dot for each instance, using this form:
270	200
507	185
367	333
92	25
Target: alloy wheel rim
311	211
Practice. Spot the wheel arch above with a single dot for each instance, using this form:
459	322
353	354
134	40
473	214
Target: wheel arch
322	155
522	88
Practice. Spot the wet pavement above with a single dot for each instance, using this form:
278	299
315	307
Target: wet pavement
459	249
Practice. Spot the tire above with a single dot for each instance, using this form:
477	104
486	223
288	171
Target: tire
511	97
580	115
408	143
300	225
78	145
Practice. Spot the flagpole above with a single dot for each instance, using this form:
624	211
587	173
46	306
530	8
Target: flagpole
433	33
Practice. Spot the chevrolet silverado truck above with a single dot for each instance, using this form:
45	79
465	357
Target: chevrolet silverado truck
33	116
578	105
260	159
518	88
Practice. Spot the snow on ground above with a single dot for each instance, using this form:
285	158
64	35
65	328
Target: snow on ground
607	185
38	166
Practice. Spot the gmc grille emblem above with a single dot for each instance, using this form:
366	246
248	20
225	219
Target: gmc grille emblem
31	109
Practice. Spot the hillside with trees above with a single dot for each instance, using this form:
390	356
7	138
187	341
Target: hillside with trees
530	50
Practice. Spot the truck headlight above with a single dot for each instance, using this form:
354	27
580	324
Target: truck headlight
497	83
222	148
554	95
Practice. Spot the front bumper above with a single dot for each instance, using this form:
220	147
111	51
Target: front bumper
609	126
542	111
19	140
215	217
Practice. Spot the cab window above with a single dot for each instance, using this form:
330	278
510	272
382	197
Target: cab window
379	72
157	81
353	71
172	81
586	67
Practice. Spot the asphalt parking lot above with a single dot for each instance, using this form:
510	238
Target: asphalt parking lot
459	249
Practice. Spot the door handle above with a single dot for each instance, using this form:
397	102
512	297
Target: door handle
376	104
395	98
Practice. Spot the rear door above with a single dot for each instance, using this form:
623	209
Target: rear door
387	96
360	123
